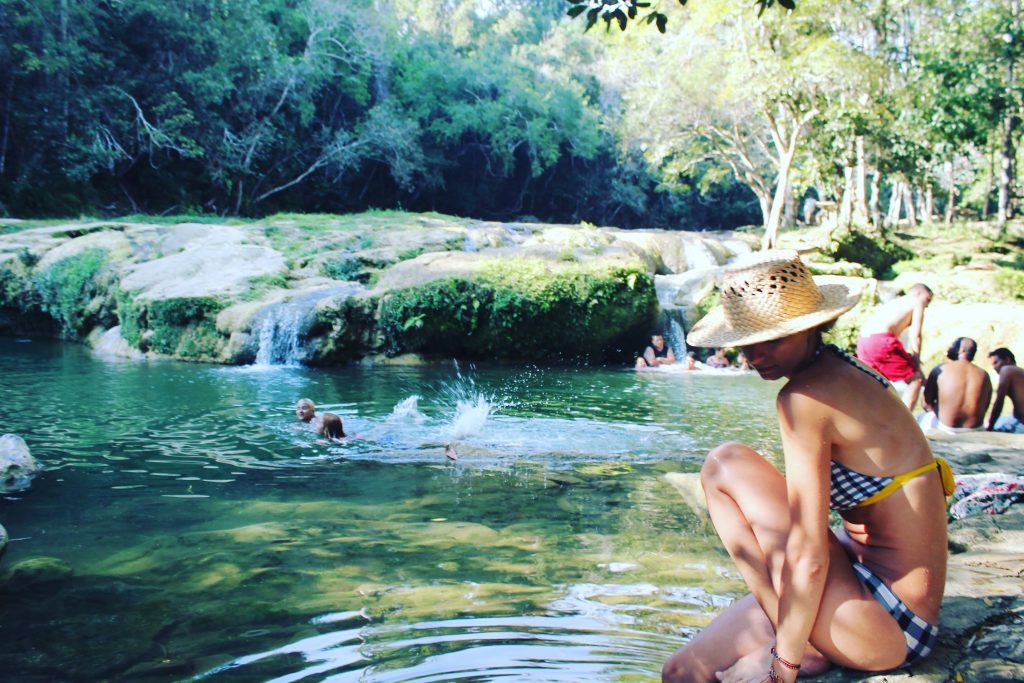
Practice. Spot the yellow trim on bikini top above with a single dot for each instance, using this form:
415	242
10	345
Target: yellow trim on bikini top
945	473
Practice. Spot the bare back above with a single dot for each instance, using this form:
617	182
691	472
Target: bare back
1012	377
891	317
964	393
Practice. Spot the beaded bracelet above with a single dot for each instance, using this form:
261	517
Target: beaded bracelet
772	676
783	662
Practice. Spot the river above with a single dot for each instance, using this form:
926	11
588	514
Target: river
186	527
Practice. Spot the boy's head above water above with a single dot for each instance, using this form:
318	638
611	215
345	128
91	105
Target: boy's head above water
305	410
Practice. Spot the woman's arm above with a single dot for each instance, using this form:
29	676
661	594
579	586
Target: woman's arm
804	423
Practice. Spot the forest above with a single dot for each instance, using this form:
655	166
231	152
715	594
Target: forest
710	115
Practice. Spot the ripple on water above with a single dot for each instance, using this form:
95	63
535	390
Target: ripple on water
527	648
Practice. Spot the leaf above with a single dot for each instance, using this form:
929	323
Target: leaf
576	10
788	4
621	16
591	18
661	22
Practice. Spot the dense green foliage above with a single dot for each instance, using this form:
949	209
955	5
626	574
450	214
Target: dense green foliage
504	109
875	253
252	107
74	292
521	310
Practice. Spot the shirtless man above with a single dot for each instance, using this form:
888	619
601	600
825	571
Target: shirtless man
880	347
957	394
658	353
1011	383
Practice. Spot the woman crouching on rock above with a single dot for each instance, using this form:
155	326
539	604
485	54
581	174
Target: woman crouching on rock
865	595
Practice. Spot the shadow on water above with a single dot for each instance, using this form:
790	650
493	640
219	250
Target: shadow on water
187	528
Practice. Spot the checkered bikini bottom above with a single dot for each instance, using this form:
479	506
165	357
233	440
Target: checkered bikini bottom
921	636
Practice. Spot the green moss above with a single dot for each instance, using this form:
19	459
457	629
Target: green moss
344	268
1009	283
184	327
410	253
10	287
74	292
132	318
523	309
261	284
876	254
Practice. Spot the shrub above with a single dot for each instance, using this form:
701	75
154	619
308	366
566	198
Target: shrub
876	254
72	291
523	309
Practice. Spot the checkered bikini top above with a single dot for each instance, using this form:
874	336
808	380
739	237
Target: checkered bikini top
852	489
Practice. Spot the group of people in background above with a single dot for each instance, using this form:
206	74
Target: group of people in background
658	353
957	394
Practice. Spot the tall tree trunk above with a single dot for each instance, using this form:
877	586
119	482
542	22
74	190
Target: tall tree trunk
7	123
951	204
895	203
789	211
1007	169
929	205
873	203
908	201
860	197
65	88
847	200
1007	157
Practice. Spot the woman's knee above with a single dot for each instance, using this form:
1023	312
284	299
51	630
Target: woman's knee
676	667
719	460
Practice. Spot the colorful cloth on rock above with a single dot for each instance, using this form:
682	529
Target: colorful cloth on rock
988	493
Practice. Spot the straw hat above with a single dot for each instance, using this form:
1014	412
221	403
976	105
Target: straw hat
771	294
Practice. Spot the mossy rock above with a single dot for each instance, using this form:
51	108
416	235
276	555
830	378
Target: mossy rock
185	328
77	291
523	309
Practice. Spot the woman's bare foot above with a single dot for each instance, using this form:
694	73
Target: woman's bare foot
750	667
754	667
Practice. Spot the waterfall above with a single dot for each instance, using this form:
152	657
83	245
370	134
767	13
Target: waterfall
281	332
284	327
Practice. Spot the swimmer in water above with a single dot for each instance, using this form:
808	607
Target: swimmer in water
305	411
331	427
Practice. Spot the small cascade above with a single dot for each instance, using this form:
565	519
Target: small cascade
675	330
699	255
283	328
282	331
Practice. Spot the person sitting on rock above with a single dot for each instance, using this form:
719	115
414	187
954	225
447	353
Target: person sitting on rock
956	394
305	411
1011	383
658	353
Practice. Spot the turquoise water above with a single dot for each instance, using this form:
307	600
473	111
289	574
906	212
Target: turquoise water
187	528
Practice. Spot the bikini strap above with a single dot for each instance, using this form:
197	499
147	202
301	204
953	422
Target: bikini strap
945	474
844	356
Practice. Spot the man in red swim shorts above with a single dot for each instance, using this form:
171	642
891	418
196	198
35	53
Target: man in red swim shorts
880	347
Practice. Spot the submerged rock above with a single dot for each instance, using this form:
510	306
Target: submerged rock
36	571
17	466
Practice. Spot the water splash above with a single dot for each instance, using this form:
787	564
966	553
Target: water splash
470	416
408	409
472	406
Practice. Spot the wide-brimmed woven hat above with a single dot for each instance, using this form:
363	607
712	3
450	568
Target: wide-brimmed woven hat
771	294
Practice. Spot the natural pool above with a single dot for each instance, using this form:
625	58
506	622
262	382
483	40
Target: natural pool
186	529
